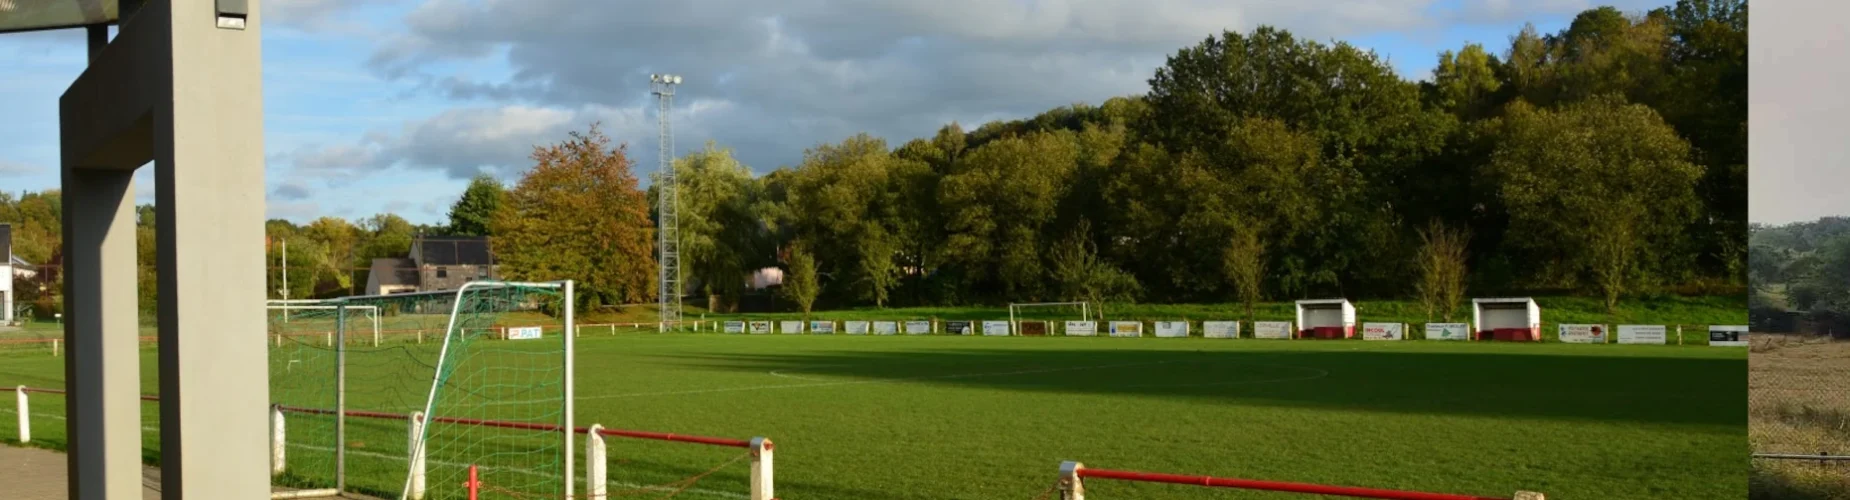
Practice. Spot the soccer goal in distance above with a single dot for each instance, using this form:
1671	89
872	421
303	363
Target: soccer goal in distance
1044	318
476	379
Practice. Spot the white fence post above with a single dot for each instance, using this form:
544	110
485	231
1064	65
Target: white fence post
278	442
54	347
1071	488
597	484
25	423
417	457
761	470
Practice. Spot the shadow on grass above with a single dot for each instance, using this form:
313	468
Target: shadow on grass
1782	480
1646	390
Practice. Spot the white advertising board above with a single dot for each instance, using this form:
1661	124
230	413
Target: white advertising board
523	333
1643	334
758	327
1220	329
918	327
1728	335
1127	328
1583	334
1081	328
1448	331
996	328
735	327
1384	331
855	327
886	327
822	327
790	326
1172	329
1271	329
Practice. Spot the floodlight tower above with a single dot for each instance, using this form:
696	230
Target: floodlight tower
668	201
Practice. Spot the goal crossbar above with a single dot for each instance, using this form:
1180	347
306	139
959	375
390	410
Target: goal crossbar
1085	311
320	305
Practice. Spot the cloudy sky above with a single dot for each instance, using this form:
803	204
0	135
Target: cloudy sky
390	105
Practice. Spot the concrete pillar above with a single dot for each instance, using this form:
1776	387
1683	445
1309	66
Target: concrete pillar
103	368
209	193
179	87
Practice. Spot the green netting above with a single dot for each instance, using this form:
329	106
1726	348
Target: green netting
484	378
487	373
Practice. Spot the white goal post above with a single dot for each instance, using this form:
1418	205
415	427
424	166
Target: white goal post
371	312
1085	311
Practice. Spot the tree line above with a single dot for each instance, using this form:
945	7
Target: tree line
1608	158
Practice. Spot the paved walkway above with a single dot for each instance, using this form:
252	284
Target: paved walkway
38	474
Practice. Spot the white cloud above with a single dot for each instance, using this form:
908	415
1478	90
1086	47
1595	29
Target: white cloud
11	169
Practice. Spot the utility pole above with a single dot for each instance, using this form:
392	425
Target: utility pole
285	265
668	205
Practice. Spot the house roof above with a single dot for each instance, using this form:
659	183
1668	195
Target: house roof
452	251
391	272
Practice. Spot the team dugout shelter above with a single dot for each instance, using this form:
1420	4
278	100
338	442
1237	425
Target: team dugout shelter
1507	319
1326	319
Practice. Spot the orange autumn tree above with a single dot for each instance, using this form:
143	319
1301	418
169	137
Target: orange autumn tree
579	214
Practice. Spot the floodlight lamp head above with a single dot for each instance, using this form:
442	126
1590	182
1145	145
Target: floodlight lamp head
655	77
677	79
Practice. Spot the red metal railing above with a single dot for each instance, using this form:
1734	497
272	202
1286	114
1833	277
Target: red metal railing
657	436
1273	486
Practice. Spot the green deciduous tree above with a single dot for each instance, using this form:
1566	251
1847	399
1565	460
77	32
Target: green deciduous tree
1442	268
849	194
800	285
1243	264
721	239
1081	275
472	214
999	206
1594	191
579	214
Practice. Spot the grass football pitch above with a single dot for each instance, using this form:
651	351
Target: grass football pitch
863	417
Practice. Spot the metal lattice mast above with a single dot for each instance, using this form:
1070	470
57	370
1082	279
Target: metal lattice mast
668	203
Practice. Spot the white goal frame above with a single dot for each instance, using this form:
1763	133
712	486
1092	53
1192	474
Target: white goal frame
337	340
420	439
1085	312
311	305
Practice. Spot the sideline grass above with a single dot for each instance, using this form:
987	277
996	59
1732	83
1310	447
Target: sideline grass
937	417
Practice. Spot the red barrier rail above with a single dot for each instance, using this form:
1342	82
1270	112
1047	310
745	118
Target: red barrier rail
1072	471
658	436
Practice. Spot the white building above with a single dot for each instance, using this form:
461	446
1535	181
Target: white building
6	273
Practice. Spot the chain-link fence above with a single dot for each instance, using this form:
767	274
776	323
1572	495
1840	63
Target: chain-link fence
1799	396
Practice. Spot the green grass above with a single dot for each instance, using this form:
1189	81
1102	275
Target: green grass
938	417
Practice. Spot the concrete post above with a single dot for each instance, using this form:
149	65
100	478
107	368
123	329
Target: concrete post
25	422
208	158
597	484
278	442
103	369
417	457
762	487
1070	486
180	87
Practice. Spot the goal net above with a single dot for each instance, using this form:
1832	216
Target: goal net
1046	318
458	378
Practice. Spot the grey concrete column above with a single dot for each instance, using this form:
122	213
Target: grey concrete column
102	368
208	159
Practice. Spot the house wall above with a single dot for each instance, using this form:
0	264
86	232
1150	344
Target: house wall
6	293
454	276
